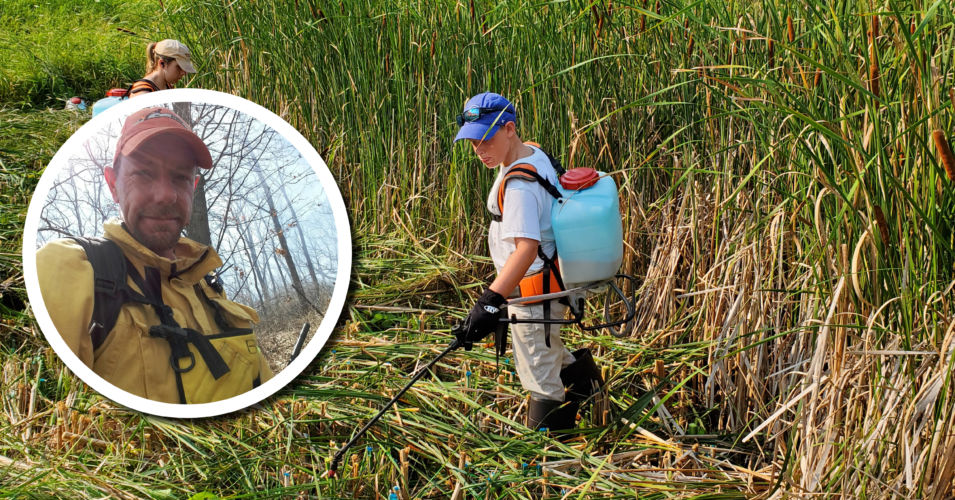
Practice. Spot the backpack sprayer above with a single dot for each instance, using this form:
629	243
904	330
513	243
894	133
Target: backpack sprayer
588	232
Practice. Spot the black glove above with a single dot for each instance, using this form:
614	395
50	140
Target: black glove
482	320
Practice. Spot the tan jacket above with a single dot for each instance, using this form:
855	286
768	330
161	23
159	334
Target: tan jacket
130	358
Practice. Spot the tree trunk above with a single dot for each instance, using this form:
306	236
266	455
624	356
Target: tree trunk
301	236
284	249
253	254
198	227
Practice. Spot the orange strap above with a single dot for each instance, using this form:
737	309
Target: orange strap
512	175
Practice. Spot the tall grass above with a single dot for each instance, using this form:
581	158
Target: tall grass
56	50
784	201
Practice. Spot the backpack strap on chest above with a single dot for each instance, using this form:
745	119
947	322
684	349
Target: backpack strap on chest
111	291
139	88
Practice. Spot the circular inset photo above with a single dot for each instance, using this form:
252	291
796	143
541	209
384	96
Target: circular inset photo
187	253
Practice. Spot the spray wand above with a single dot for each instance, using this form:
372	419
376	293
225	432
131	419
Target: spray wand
361	432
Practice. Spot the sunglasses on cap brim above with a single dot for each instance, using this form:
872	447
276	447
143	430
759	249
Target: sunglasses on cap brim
474	114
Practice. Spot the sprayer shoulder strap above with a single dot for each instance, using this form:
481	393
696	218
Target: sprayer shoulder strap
527	172
141	85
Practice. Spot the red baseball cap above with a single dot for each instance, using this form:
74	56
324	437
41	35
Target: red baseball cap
151	122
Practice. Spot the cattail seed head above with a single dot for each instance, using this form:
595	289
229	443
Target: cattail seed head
817	79
883	225
771	54
790	30
689	47
874	32
945	153
600	19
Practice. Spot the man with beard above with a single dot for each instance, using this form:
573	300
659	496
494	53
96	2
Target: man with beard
140	306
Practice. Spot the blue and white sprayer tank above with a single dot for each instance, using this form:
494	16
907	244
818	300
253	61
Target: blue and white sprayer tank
113	96
587	227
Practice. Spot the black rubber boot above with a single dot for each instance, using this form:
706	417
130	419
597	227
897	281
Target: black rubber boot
554	415
581	378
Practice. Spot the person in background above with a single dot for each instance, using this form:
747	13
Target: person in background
166	62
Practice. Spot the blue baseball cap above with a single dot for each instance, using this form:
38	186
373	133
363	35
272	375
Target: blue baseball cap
483	115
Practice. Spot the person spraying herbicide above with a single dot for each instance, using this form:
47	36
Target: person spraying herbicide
552	244
522	238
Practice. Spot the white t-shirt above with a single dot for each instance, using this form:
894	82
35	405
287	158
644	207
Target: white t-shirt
527	207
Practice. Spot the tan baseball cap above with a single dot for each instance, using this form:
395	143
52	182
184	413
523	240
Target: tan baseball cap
178	51
151	122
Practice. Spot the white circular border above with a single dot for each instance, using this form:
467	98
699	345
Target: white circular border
335	305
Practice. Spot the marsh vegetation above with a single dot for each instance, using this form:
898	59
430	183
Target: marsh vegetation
787	208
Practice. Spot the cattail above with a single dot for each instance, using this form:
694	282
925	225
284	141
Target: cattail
817	79
883	225
790	30
945	153
873	69
772	54
434	38
656	8
600	19
874	32
689	47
